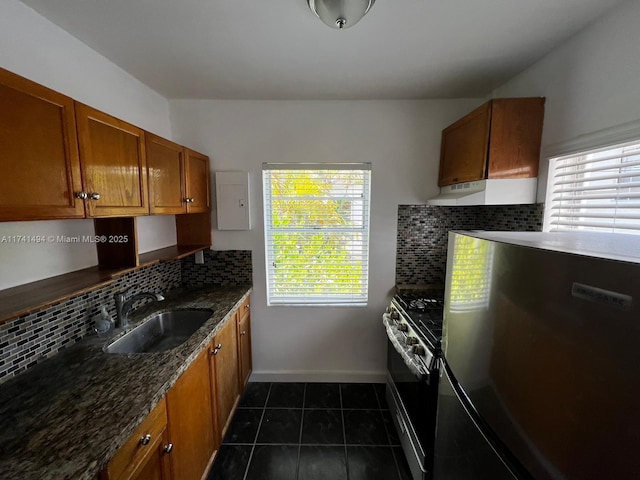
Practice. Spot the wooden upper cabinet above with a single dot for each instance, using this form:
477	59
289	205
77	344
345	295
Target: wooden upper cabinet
463	151
197	182
113	161
516	134
166	167
178	177
500	139
39	163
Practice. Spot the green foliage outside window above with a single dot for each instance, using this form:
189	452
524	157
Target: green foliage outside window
317	222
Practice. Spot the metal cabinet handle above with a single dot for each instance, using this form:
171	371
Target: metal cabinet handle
243	332
82	195
189	200
216	349
145	439
95	196
247	307
168	448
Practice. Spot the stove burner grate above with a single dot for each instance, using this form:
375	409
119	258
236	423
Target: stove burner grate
424	304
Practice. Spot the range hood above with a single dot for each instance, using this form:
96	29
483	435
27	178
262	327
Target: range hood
501	191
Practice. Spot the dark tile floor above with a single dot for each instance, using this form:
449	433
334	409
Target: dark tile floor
311	431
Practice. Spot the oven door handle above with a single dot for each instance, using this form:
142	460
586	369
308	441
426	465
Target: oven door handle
403	427
413	364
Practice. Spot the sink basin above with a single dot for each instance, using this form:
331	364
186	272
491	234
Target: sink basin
161	332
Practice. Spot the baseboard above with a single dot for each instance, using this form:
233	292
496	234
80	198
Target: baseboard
318	376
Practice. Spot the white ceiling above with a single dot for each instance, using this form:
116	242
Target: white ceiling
277	49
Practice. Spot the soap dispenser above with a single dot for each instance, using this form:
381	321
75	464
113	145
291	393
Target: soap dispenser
103	323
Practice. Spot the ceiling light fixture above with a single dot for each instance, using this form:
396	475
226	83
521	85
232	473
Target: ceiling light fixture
340	13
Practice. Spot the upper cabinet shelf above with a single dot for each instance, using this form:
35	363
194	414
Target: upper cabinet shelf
34	296
61	159
500	139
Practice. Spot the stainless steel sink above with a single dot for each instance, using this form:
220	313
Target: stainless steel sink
161	332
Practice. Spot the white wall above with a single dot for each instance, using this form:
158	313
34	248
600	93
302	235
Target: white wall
591	82
402	141
35	48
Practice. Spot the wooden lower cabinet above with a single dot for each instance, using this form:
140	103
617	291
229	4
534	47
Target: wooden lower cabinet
224	368
157	466
244	344
191	425
145	456
186	428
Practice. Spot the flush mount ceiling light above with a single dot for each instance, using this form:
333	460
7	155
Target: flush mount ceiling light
340	13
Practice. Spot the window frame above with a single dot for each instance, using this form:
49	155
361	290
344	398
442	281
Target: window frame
354	298
585	189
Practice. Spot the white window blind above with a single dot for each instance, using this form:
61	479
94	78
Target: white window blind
595	190
317	233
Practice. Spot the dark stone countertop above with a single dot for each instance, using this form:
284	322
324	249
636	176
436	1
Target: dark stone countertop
66	417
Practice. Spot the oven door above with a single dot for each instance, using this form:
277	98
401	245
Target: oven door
412	400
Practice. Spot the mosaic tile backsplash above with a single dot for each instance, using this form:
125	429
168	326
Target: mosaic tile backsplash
423	232
221	267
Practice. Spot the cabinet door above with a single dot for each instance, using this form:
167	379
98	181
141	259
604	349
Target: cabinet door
225	361
146	459
113	164
156	466
39	165
244	344
197	178
191	421
463	154
516	133
165	166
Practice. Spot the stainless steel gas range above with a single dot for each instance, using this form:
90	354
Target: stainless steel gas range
413	322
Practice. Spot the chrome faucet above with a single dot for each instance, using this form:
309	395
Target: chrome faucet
124	306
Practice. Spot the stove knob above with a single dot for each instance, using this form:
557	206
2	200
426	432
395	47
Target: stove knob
411	340
395	315
418	350
403	327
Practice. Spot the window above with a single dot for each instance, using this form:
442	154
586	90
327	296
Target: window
317	233
597	189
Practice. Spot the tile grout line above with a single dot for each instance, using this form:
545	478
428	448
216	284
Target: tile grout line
386	429
304	398
345	445
344	431
255	440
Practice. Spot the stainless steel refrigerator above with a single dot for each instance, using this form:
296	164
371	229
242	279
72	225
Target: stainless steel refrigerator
540	375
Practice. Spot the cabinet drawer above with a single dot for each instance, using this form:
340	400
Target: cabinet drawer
133	453
244	308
